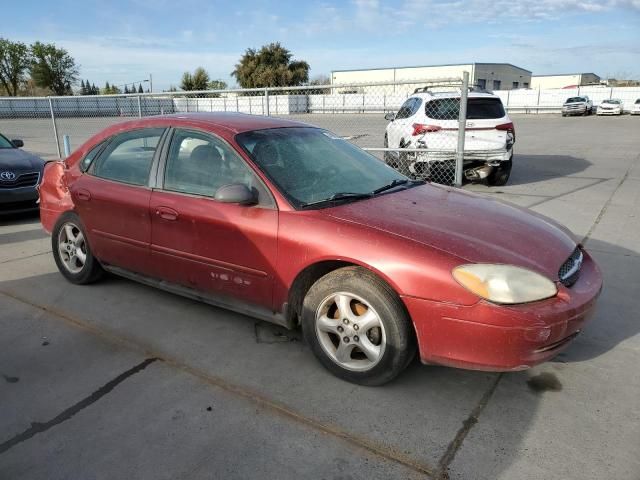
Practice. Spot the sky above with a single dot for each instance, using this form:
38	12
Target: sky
125	41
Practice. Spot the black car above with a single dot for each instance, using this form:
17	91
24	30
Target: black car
20	174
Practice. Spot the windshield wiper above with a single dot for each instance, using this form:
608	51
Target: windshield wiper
394	184
337	197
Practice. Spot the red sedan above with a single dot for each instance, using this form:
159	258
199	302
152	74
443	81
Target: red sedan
289	223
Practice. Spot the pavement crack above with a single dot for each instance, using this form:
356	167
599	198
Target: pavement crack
604	208
37	427
467	425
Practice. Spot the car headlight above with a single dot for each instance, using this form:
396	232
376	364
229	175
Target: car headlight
504	284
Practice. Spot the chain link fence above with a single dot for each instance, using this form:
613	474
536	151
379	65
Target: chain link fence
372	116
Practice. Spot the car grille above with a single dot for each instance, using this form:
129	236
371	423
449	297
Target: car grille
24	180
578	106
570	270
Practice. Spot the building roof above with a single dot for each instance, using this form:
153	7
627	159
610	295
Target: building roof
566	74
427	66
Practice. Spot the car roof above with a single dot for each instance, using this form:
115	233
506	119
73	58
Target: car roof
433	95
231	121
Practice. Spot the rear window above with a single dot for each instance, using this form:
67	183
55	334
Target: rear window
638	101
477	108
576	99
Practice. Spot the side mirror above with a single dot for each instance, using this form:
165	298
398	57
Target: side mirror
17	143
236	193
390	116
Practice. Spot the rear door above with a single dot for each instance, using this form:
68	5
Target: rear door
223	249
112	199
400	129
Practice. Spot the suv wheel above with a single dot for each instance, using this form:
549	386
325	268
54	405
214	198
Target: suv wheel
357	327
71	251
500	175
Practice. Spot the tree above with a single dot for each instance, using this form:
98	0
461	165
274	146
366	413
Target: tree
94	89
187	81
109	89
83	89
53	68
199	80
217	85
15	59
126	89
271	66
140	90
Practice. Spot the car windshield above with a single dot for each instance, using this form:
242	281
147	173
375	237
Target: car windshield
5	143
477	108
638	101
311	166
576	99
615	102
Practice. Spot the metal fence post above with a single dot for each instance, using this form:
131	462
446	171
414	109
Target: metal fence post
67	145
462	124
139	108
266	101
55	128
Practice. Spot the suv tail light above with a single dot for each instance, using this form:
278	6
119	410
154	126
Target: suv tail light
508	127
420	128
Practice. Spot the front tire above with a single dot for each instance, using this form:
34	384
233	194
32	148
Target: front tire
357	327
71	251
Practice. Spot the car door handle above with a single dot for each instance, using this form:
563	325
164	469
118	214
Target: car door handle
82	194
167	213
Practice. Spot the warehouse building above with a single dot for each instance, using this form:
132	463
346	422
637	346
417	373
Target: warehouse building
493	76
565	80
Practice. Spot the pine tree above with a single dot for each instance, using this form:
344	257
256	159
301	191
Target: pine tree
126	89
140	90
107	88
94	89
83	88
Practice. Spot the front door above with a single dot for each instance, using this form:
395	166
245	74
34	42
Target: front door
220	248
112	199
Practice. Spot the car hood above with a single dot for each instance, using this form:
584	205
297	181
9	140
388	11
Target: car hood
476	229
17	160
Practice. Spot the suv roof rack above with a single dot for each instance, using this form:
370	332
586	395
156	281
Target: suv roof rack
472	88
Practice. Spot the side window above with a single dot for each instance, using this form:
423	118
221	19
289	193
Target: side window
405	109
85	163
199	164
416	106
128	156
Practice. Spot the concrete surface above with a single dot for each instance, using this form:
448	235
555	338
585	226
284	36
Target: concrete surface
224	396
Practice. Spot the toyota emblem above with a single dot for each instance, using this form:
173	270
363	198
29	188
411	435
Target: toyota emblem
7	176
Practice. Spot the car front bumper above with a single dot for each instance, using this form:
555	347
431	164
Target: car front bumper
575	110
491	337
608	112
16	200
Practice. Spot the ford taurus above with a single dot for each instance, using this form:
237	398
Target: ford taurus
292	224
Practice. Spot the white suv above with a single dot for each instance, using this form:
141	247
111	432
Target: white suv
429	120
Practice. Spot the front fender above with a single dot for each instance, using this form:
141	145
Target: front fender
55	198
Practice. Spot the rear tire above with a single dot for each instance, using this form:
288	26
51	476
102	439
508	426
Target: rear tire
71	251
358	327
500	175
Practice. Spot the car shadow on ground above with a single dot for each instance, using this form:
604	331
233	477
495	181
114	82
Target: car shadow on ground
538	168
18	218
